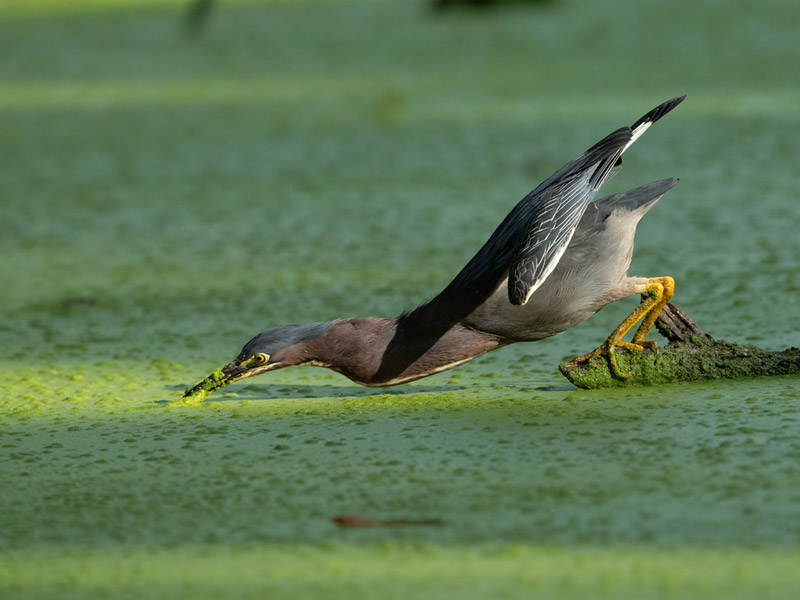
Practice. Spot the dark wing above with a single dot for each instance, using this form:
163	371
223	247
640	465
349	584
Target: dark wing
654	115
531	239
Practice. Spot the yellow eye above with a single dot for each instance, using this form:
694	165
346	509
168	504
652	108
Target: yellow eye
261	357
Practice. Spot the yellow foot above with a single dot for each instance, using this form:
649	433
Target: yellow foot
608	349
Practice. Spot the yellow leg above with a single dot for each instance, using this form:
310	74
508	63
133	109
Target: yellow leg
659	290
668	289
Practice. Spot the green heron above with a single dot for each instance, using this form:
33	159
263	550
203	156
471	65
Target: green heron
555	260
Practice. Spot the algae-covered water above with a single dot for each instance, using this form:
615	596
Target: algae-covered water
168	195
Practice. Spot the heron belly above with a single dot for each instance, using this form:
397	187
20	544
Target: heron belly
560	303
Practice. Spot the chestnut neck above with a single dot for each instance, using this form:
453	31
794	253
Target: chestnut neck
381	352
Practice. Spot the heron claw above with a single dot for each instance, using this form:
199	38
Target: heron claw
607	349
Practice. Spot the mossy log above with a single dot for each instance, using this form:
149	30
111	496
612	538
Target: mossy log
690	355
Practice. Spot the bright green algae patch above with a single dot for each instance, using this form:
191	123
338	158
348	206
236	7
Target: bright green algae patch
401	571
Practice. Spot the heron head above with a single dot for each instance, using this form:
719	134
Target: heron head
273	349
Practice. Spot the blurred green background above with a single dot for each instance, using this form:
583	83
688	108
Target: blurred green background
168	192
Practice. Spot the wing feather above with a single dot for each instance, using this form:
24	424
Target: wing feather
555	215
548	233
